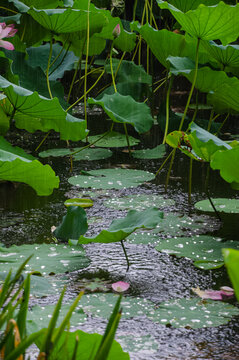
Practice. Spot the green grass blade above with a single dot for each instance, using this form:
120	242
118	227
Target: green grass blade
22	314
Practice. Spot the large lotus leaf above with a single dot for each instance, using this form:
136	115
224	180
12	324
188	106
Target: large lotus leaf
85	154
73	224
205	251
38	56
129	72
34	79
205	136
86	348
62	21
156	153
208	22
226	56
111	178
16	165
113	139
121	228
231	258
38	317
139	202
47	258
101	305
137	90
194	313
221	204
43	4
170	44
35	33
227	162
35	112
185	5
124	109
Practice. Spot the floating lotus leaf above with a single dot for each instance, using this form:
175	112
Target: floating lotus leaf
85	154
124	109
47	258
121	228
111	178
221	204
205	251
226	162
139	344
62	21
208	22
139	202
231	258
79	202
194	313
146	238
156	153
73	224
16	165
101	305
35	112
38	317
113	139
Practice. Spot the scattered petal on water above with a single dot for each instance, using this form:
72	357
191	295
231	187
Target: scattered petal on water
224	293
120	286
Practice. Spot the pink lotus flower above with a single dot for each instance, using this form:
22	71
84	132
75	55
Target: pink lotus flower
116	31
120	286
5	32
224	293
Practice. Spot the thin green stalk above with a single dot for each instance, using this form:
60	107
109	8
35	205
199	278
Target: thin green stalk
196	109
192	86
111	67
190	180
48	68
78	100
169	169
86	57
120	62
165	161
63	58
210	120
42	140
125	254
134	9
213	206
73	79
10	10
135	51
167	108
60	52
223	123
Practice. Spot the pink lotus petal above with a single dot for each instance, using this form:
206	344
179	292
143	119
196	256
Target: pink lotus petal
116	31
120	286
6	45
215	294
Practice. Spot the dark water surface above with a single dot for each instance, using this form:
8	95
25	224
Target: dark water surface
26	218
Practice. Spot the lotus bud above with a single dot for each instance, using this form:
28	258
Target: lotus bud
116	31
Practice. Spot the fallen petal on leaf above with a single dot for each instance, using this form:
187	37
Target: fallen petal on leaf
120	286
222	294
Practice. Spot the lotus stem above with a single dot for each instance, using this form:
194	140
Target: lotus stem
86	58
190	180
45	137
167	108
111	68
165	161
126	256
213	206
48	68
170	168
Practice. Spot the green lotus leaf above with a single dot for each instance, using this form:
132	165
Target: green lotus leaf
85	154
226	161
16	165
111	178
121	228
88	346
185	5
156	153
138	202
194	313
35	112
170	44
73	224
60	21
47	258
231	258
38	56
124	109
221	204
43	4
38	317
113	139
79	202
227	56
201	249
57	152
129	72
208	22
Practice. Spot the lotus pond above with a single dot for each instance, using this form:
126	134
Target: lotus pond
119	179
